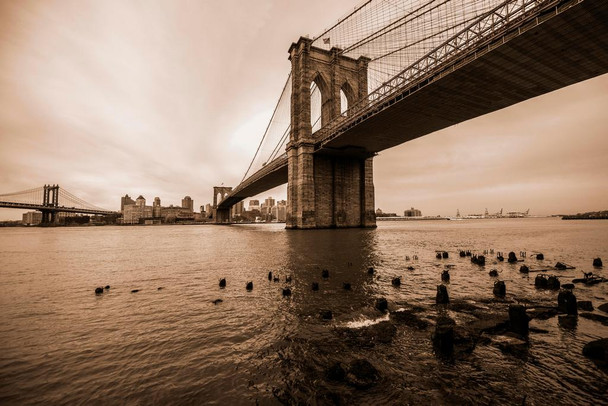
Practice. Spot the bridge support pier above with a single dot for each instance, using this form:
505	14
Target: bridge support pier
329	191
222	216
48	217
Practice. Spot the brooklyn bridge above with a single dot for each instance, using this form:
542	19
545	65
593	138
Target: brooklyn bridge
389	73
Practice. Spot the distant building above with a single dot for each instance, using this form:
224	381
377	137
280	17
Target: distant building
32	218
254	205
188	203
125	201
136	212
156	207
269	202
380	213
238	208
412	213
279	212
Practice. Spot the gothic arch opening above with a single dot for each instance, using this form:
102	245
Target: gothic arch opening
347	98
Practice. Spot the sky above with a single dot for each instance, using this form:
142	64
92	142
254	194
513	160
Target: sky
170	98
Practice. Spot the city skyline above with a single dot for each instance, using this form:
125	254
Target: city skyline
103	98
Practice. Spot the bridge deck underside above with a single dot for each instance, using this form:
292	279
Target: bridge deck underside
275	178
564	50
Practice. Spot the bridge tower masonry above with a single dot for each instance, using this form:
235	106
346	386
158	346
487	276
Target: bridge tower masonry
220	215
326	189
50	200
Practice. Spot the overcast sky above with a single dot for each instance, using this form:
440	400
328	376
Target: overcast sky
170	98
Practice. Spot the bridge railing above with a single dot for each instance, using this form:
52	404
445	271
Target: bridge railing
479	34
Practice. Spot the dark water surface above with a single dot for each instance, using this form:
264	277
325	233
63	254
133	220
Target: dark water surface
62	344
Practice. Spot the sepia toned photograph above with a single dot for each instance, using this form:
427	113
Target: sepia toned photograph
270	202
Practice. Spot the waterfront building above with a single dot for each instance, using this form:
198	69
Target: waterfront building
125	201
136	212
32	218
188	203
412	213
156	207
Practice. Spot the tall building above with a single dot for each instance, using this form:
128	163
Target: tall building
279	212
238	208
156	207
124	201
254	205
269	202
412	213
188	203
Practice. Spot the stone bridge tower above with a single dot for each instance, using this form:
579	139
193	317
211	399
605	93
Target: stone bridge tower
326	189
220	215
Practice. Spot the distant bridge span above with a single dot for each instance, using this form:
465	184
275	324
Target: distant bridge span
509	57
50	200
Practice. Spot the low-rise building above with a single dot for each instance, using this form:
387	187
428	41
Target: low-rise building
32	218
412	213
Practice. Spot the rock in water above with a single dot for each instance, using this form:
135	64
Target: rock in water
98	291
270	275
597	262
512	257
135	291
442	295
500	289
381	304
223	283
325	273
444	254
553	282
315	286
249	286
370	270
217	301
493	272
396	281
540	281
585	305
598	352
540	256
286	292
445	276
566	302
603	307
524	269
107	287
518	320
346	285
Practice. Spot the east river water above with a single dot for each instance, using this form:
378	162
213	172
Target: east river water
60	343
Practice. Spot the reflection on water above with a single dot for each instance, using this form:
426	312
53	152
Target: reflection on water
62	344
